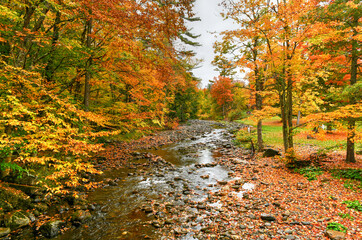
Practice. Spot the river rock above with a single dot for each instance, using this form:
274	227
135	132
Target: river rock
11	198
81	216
110	182
201	206
31	216
157	224
271	153
16	220
147	209
267	217
335	235
222	182
4	231
51	229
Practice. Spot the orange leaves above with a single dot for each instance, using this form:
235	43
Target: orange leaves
265	113
221	90
342	113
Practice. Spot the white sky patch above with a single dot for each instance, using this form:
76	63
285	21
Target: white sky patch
210	25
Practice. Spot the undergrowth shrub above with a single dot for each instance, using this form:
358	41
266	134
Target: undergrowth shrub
356	205
310	172
246	139
349	173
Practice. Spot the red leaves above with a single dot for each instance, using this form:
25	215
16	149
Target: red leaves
221	90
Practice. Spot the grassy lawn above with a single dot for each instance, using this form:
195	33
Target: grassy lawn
273	136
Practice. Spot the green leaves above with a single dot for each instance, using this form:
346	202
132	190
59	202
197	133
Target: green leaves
353	91
336	227
310	173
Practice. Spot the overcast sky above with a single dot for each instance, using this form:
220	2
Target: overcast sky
211	22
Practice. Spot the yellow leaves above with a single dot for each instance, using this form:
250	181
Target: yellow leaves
67	173
8	14
351	4
265	113
343	113
39	160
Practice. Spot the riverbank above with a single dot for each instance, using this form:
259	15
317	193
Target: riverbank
194	183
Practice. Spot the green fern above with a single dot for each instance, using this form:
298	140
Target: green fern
14	167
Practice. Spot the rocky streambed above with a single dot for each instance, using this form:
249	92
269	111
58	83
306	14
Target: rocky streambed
169	191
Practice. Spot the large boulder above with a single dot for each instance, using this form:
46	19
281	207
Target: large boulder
271	153
11	198
52	228
15	220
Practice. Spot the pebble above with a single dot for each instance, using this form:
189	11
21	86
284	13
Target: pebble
242	227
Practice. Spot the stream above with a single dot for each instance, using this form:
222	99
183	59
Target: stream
161	181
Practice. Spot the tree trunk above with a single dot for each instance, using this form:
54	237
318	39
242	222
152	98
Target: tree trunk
350	142
290	112
352	123
87	87
27	44
50	69
88	66
284	120
259	130
259	106
259	86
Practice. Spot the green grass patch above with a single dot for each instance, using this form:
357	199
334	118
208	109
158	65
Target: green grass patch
273	136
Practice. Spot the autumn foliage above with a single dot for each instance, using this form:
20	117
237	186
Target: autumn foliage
221	91
73	72
302	57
